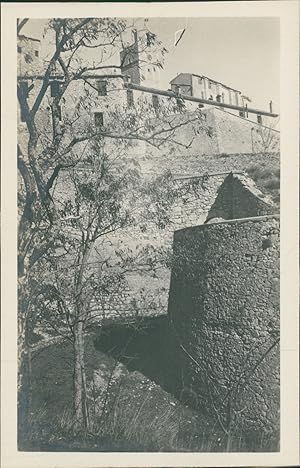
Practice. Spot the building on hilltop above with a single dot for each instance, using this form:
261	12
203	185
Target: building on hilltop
203	87
29	55
95	97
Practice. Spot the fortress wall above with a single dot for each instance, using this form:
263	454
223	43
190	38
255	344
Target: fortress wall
195	200
143	291
221	141
224	306
236	134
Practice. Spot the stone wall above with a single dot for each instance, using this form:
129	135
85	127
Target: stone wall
224	306
195	201
238	197
239	135
220	141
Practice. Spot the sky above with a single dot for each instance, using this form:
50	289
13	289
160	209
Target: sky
240	52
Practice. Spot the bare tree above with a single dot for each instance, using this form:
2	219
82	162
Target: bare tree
96	204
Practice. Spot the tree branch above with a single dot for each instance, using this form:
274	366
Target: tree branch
21	23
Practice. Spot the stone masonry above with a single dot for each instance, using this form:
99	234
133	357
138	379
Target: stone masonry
224	307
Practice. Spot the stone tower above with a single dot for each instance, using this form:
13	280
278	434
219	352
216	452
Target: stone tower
139	60
29	60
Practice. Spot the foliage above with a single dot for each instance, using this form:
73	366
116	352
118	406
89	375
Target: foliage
79	186
267	178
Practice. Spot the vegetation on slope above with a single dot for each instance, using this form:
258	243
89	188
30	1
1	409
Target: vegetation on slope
132	413
267	178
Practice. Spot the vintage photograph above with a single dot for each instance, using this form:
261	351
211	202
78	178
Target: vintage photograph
148	164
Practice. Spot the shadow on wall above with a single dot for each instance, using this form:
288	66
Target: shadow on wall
238	197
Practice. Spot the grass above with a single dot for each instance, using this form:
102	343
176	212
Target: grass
267	179
128	411
138	416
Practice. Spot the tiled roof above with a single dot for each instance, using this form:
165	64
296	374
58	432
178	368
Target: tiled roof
210	79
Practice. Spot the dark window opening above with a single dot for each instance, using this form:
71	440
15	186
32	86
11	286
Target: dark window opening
102	88
218	98
155	101
98	118
130	100
241	113
259	119
59	113
36	53
28	58
54	85
19	49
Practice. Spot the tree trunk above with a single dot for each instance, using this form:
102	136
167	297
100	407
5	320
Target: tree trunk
24	374
80	397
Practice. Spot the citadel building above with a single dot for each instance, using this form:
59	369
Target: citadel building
222	204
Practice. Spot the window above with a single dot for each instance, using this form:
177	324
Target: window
202	95
242	114
59	113
54	86
259	119
102	88
155	101
36	53
98	119
19	49
209	85
130	100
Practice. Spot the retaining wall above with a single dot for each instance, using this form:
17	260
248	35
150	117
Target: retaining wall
211	142
196	200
